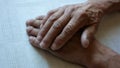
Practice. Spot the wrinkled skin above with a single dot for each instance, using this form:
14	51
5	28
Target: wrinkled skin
71	27
62	23
72	51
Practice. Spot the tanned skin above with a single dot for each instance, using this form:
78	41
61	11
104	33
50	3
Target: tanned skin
70	42
95	56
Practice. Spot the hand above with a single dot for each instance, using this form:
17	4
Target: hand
95	56
62	23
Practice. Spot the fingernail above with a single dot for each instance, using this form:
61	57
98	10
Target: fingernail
86	43
39	38
53	47
42	45
30	39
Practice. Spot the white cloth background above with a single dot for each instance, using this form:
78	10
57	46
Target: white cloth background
15	50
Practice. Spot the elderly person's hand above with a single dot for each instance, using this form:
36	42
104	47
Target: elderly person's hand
95	56
62	23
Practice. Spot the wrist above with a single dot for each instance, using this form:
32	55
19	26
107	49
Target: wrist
100	56
107	6
114	62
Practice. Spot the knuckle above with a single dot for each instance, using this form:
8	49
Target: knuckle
79	15
36	21
39	17
32	40
50	12
29	22
36	41
77	12
57	25
30	30
68	30
45	41
52	18
70	8
41	34
43	31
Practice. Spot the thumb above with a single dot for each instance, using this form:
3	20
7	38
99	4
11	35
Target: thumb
88	34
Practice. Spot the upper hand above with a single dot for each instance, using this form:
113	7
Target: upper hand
62	23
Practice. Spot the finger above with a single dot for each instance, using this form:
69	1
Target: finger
51	12
45	18
33	40
88	34
32	31
48	24
70	29
34	23
40	17
28	22
55	29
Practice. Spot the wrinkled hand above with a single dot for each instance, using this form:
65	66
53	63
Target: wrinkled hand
95	56
62	23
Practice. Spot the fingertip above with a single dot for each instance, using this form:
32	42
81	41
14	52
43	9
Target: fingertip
85	39
32	40
39	38
40	17
54	47
43	46
58	43
28	22
85	43
87	35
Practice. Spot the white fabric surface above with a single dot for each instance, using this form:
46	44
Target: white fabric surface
15	50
